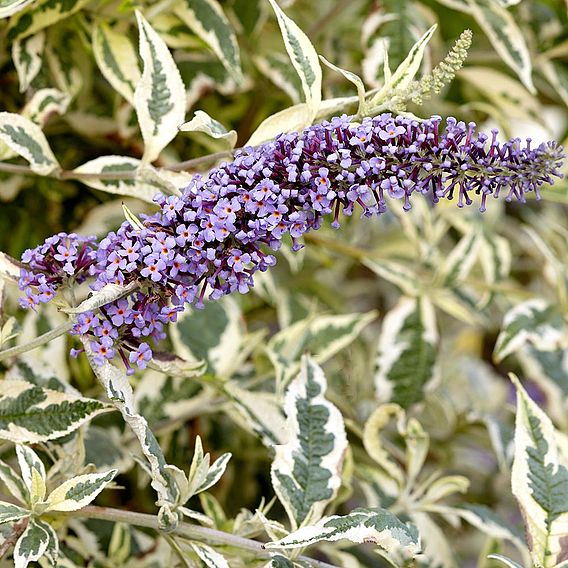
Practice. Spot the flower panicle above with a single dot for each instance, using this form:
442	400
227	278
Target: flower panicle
211	240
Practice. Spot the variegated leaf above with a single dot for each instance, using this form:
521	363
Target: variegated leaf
45	103
10	513
540	482
202	122
131	187
535	322
210	557
323	336
26	139
259	411
64	66
460	261
108	293
33	414
207	20
119	391
9	7
373	525
33	543
159	97
304	59
407	70
353	78
29	462
9	268
212	334
506	37
214	472
13	482
27	56
406	358
276	66
44	14
556	74
306	471
78	492
116	57
293	119
51	553
398	274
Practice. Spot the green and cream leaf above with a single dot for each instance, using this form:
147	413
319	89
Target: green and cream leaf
202	122
44	104
306	471
506	37
534	322
13	482
406	359
10	7
210	557
78	492
131	187
31	414
27	57
373	525
10	513
207	20
26	139
159	98
32	545
117	60
304	59
540	482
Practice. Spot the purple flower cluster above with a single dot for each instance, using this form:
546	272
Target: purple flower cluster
215	236
61	259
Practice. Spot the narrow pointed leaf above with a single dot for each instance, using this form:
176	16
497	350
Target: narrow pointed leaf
32	545
210	557
117	59
26	139
27	56
540	482
534	322
9	7
406	358
207	20
306	472
215	472
202	122
78	492
159	97
10	513
374	525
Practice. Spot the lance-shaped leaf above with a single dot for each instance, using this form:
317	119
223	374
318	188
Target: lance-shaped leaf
406	359
9	268
116	57
131	187
212	334
202	122
9	7
398	274
76	493
460	261
33	543
108	293
13	482
44	104
119	390
535	322
159	98
27	56
375	525
42	15
259	412
304	59
306	472
540	482
10	513
214	472
210	557
29	463
505	36
276	67
31	414
353	78
407	70
27	140
207	20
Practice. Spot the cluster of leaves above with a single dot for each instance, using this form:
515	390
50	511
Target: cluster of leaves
357	400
